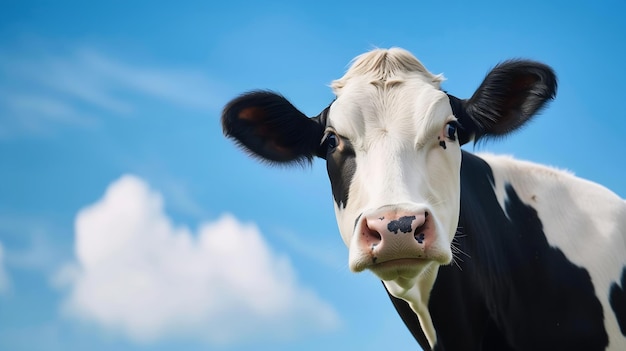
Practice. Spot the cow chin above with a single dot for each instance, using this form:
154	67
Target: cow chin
403	268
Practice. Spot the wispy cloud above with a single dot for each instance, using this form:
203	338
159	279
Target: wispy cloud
178	194
51	87
138	274
24	113
4	277
332	256
182	87
32	247
176	189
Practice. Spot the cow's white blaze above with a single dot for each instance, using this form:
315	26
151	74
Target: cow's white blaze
393	113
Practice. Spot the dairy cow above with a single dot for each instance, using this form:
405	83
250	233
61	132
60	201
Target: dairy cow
477	252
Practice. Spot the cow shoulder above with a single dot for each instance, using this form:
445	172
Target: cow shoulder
584	225
572	210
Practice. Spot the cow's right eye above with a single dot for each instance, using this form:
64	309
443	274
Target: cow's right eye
331	141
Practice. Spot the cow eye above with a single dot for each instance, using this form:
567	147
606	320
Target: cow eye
450	131
331	141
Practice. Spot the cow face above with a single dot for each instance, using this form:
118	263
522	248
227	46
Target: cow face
391	141
393	159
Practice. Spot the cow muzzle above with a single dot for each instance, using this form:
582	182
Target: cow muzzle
394	239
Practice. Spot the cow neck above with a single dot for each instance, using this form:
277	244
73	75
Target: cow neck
417	294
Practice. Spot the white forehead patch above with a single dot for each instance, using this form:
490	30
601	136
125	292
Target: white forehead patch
385	91
408	111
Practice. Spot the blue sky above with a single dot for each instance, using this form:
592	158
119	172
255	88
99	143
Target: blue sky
127	221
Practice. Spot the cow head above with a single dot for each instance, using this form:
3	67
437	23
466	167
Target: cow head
392	144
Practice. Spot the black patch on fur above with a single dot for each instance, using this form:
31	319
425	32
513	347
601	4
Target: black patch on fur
442	143
402	224
458	109
617	298
341	166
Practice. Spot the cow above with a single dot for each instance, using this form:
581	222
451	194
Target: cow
476	251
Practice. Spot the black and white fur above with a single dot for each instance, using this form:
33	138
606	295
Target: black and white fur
478	252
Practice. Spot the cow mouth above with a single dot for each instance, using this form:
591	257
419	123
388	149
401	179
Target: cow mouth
400	262
399	267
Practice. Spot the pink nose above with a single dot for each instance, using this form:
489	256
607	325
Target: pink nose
394	233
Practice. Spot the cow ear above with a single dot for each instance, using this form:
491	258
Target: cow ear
510	95
269	127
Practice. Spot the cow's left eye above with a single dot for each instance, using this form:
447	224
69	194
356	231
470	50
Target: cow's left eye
450	131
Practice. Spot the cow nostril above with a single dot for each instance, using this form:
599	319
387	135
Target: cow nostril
419	237
418	234
376	235
371	237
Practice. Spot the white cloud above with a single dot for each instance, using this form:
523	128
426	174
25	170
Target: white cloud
138	274
4	277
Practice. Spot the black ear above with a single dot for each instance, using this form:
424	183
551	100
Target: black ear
511	94
271	128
